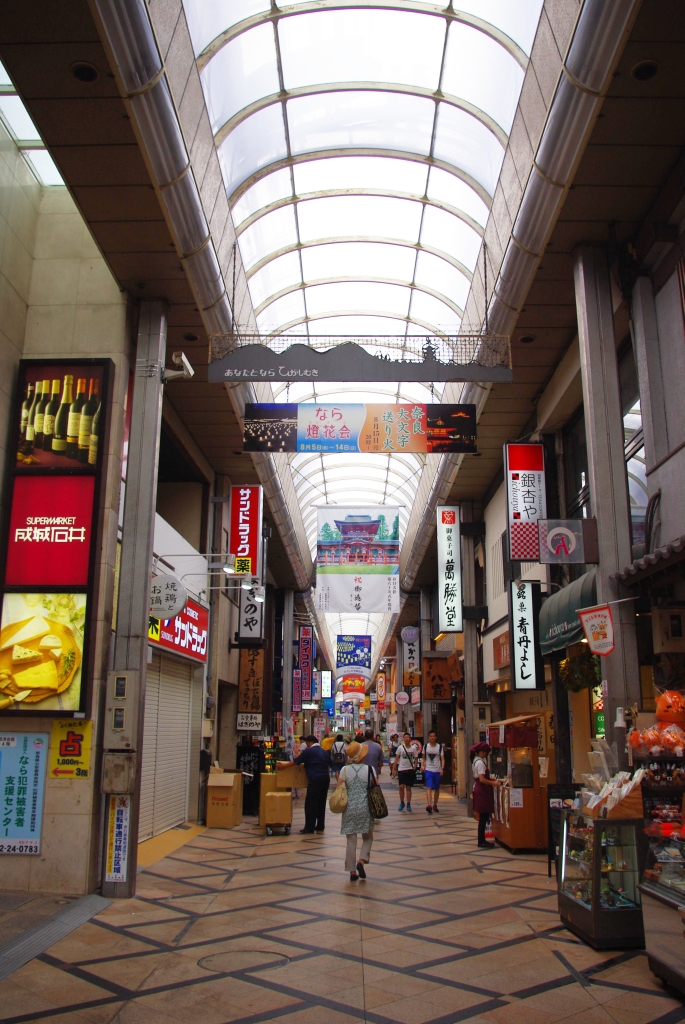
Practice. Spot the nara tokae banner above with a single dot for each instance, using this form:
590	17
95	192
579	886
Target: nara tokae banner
358	559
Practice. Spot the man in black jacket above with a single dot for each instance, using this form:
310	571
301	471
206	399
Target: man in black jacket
317	764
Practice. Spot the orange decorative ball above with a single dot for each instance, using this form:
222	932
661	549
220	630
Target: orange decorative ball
670	707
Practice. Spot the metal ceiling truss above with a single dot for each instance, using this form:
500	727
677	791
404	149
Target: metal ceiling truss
443	335
359	280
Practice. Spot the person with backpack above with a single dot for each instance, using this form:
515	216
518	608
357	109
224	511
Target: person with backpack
433	765
405	769
357	817
338	752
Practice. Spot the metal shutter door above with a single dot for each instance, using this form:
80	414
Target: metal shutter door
147	787
173	744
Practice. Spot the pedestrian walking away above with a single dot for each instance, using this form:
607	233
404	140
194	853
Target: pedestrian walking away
374	756
483	790
433	765
337	752
317	764
405	769
357	818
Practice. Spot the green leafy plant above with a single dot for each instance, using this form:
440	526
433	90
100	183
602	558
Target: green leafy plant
580	672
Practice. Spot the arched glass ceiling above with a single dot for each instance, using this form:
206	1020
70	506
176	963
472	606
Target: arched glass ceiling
360	148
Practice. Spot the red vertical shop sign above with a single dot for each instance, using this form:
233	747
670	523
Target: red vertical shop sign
297	691
245	540
526	500
305	661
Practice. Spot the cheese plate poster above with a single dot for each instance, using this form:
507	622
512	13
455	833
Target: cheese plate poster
316	427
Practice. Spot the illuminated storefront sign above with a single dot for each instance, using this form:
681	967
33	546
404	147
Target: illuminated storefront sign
305	661
450	611
186	634
524	612
524	475
245	539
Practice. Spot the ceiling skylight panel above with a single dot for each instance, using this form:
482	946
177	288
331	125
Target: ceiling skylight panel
276	275
516	18
361	46
241	72
359	216
370	172
441	276
378	120
444	231
425	307
357	326
44	166
358	259
17	117
207	19
268	234
465	142
265	191
253	144
290	307
447	188
359	394
385	298
481	71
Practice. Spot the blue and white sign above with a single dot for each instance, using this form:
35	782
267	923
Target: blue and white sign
23	764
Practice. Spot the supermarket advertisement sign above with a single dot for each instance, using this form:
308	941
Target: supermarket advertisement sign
186	634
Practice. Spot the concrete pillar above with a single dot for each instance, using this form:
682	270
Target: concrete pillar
468	578
288	637
607	470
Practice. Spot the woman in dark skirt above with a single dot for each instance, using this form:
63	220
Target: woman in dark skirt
483	786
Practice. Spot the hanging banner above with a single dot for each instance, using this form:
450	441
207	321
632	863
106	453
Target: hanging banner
358	559
245	539
186	634
117	838
411	657
380	688
23	757
450	604
304	661
312	427
524	613
598	626
524	473
251	620
326	684
251	680
353	664
297	691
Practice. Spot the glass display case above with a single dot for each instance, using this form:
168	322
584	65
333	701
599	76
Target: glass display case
520	767
599	898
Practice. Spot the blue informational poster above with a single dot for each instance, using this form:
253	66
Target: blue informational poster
23	762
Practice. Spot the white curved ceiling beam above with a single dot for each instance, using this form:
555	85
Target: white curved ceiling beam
431	10
324	154
355	312
335	388
333	87
358	280
388	194
334	239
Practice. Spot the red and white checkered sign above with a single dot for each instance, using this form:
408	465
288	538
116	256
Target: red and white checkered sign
524	543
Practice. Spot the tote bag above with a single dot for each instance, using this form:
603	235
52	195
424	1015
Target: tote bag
377	804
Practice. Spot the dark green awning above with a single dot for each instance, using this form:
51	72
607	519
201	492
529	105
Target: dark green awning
559	623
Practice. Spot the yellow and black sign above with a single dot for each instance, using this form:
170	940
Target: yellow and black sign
70	749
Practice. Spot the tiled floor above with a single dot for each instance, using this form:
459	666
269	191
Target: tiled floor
236	927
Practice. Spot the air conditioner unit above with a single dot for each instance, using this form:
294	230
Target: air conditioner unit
668	630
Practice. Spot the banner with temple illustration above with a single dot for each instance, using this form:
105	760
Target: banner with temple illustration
358	559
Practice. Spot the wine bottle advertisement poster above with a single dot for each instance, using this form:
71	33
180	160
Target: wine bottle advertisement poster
53	536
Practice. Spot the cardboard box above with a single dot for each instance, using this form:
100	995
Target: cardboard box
278	808
224	799
294	777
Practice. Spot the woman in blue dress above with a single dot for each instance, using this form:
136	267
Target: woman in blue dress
357	818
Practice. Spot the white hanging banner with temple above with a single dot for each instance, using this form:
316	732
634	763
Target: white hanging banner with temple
526	499
450	610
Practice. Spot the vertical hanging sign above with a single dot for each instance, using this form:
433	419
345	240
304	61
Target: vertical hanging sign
524	466
297	691
526	657
304	661
450	612
411	657
245	541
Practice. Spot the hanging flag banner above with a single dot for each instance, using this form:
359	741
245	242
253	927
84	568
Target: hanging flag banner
380	689
524	473
245	539
598	626
310	427
524	613
297	691
326	684
411	657
353	664
304	660
450	613
358	559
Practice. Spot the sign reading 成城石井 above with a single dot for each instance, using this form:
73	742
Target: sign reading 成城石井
186	634
52	535
450	610
245	539
524	474
524	638
305	660
251	680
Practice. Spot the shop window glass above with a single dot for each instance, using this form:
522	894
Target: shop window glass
633	441
576	466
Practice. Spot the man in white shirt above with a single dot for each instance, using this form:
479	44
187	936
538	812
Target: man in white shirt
405	769
433	766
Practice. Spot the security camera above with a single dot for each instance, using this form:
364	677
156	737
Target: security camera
186	371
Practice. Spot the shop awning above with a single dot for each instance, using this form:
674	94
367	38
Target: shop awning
559	623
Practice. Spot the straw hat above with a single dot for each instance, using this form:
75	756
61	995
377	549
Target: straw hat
356	752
